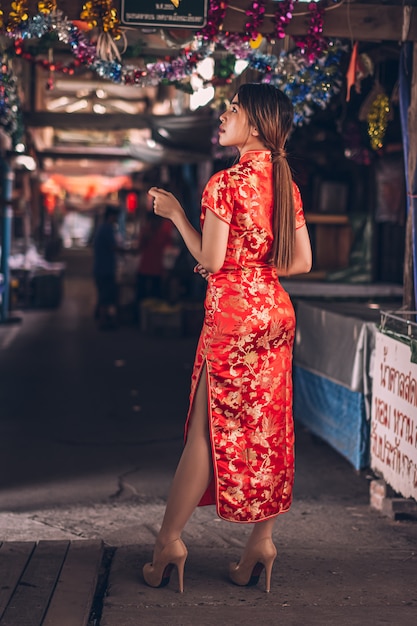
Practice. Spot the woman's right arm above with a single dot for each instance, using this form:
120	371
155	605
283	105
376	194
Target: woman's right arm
208	248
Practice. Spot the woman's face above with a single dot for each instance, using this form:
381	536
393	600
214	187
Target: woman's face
234	127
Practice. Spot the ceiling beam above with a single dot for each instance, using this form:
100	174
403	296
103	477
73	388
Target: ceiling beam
92	121
86	152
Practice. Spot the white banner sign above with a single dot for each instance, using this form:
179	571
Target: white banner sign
394	416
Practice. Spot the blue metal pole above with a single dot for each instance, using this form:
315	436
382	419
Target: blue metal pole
7	217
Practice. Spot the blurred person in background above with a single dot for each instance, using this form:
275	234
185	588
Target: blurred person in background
155	237
105	264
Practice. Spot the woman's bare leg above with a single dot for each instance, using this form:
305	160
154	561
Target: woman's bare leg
259	549
194	471
261	530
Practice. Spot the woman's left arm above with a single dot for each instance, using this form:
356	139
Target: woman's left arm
302	254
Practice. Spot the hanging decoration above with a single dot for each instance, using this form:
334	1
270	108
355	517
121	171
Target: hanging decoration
377	119
224	70
308	85
364	68
51	65
282	17
18	15
104	57
376	112
360	67
47	6
254	19
309	74
176	69
351	71
46	64
10	111
313	44
234	44
102	14
215	18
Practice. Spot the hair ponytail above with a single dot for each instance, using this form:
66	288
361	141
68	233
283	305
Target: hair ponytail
271	112
284	215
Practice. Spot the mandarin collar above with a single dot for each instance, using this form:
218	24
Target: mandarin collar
258	155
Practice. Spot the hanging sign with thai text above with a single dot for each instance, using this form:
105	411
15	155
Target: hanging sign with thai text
394	416
165	14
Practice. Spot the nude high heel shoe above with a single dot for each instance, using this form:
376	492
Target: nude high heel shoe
173	554
247	571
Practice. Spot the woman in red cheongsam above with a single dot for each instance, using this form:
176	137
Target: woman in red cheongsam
239	450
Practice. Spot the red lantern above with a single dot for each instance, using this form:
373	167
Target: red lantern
50	203
131	202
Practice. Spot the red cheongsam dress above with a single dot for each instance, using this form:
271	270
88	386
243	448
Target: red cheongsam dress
246	345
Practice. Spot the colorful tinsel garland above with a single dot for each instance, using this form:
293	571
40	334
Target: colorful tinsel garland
309	86
282	17
309	79
10	111
172	70
313	44
254	19
215	17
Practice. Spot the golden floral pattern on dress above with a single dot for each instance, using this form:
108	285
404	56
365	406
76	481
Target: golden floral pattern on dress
246	346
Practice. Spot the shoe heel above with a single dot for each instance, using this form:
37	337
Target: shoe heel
268	571
180	569
248	570
157	574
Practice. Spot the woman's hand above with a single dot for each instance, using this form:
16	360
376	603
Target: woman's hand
165	204
208	248
199	269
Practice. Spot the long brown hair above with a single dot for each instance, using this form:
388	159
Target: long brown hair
271	112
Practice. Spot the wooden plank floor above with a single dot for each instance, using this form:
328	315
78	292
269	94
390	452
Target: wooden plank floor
48	583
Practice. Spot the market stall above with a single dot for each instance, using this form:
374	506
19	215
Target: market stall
332	375
34	281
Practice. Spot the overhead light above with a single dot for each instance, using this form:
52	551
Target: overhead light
201	97
25	161
48	163
127	107
20	147
150	143
163	133
100	93
240	66
78	105
206	68
99	108
196	82
57	103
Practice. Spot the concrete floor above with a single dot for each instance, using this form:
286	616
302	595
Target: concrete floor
90	432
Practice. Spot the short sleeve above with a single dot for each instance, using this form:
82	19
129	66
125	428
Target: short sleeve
218	196
298	206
